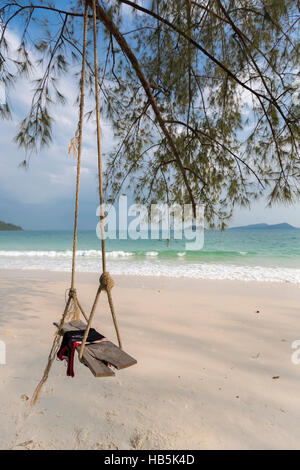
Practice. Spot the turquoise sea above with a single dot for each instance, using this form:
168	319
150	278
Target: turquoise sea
262	255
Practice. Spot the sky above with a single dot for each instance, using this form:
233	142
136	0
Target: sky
42	197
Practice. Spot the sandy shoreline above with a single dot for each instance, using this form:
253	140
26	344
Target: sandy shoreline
204	379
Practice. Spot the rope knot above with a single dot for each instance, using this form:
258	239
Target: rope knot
72	292
106	281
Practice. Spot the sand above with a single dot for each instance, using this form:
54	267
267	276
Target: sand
205	375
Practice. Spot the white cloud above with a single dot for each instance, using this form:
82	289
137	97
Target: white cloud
51	174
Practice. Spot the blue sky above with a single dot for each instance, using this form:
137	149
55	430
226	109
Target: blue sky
42	197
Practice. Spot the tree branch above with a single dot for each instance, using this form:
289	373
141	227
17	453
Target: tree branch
106	20
220	144
198	46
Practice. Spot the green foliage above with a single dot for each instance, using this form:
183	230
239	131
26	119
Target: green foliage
223	75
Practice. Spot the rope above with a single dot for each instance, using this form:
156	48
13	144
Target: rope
80	124
52	355
72	304
106	282
73	312
98	119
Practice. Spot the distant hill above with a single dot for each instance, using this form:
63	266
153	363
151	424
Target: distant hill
265	227
9	227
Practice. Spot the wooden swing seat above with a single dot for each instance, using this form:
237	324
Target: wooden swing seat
98	356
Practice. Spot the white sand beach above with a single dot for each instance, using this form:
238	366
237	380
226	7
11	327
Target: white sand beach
205	374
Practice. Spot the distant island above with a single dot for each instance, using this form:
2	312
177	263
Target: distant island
9	227
265	227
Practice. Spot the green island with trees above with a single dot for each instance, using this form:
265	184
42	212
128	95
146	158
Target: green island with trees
9	227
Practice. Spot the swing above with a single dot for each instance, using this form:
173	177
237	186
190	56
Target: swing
97	356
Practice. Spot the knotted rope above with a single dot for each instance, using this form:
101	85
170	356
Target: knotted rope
106	281
72	304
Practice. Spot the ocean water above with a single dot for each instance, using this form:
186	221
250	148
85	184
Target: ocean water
260	255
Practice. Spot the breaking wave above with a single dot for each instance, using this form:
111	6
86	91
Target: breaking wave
150	263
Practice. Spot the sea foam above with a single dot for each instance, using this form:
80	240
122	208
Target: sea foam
147	264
